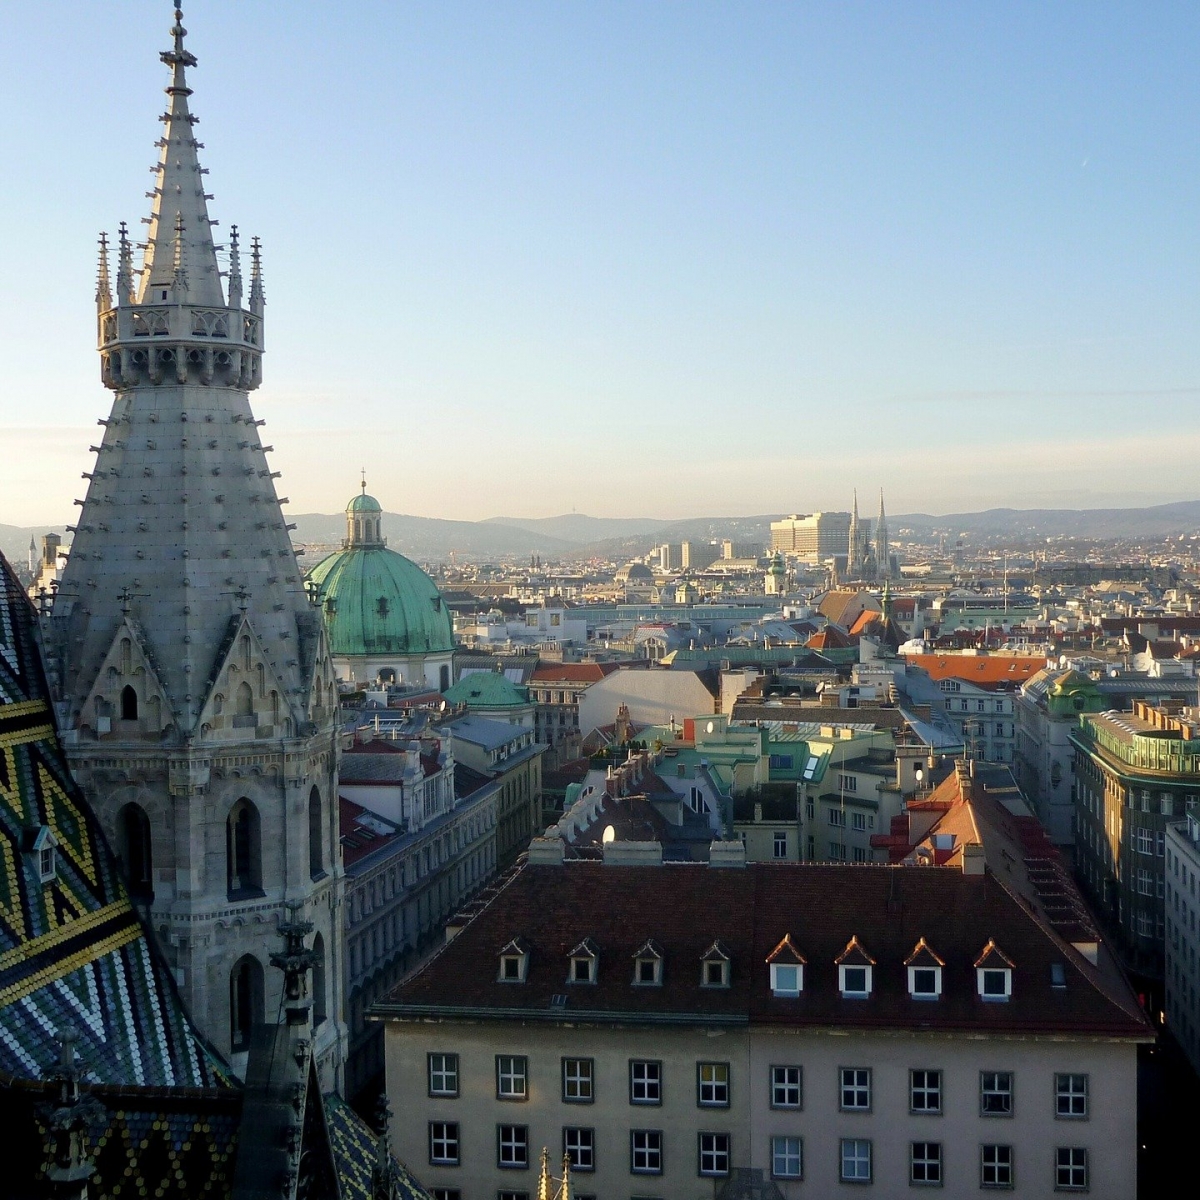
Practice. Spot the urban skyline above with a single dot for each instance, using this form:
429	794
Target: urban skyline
688	230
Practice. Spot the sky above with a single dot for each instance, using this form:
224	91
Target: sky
641	259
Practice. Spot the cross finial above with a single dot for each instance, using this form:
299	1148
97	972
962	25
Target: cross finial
364	480
126	596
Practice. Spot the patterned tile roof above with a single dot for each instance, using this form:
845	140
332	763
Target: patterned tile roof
72	949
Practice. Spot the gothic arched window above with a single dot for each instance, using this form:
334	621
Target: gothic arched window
243	849
316	860
133	828
245	1001
245	700
443	678
129	704
320	1004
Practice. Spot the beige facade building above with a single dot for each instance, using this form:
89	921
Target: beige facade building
813	537
667	1024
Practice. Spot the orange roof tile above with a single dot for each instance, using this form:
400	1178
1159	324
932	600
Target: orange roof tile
983	669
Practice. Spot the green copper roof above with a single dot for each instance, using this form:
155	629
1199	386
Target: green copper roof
377	602
364	503
487	689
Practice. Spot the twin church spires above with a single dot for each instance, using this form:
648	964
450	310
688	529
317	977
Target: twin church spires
192	678
868	560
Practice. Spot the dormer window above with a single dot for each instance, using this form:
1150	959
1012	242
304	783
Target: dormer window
585	959
993	974
514	962
40	844
924	972
855	971
648	966
714	967
787	969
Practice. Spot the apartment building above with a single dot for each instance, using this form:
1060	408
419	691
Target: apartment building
667	1024
555	688
813	537
1182	974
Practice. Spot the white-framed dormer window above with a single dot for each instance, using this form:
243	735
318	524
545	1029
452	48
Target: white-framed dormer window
514	962
855	970
993	974
924	972
585	959
41	845
648	966
787	969
715	967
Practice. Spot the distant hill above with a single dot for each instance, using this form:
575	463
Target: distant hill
14	540
1156	521
580	529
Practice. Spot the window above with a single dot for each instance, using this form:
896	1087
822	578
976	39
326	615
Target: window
242	852
584	961
1071	1096
512	1146
996	1166
245	1001
512	1196
1070	1169
780	844
712	1085
134	832
645	1082
995	983
855	1089
443	1143
787	1158
714	967
647	966
856	1160
859	821
924	983
129	704
1143	841
925	1164
925	1091
645	1151
511	1075
854	982
847	783
514	962
836	817
580	1146
787	1087
446	1194
443	1074
316	864
995	1094
714	1153
787	979
578	1075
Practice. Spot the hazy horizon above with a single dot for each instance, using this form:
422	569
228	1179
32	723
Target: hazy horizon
680	259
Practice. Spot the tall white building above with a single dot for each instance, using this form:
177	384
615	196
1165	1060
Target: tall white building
193	682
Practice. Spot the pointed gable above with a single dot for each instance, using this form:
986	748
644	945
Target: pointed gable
245	696
854	954
992	956
786	953
923	955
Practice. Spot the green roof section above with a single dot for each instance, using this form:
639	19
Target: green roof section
487	689
377	602
364	504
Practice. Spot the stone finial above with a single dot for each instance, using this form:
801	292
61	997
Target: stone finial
67	1122
256	284
235	269
103	288
124	266
295	961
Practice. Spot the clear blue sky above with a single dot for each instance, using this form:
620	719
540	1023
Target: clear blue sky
656	259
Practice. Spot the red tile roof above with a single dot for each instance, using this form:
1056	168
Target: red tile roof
361	831
985	670
685	908
572	672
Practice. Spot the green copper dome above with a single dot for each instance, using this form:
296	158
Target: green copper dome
375	601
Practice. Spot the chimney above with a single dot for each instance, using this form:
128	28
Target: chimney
972	858
727	854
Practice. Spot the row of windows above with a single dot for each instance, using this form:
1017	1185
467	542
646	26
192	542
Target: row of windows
647	1152
713	1084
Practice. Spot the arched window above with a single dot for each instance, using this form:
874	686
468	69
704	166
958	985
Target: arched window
245	1001
245	700
316	860
243	850
129	704
443	678
319	1009
126	656
133	829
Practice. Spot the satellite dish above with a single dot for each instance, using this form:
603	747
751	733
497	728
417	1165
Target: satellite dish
610	834
709	727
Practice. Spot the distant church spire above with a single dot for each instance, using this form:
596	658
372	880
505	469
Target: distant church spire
854	549
883	553
103	287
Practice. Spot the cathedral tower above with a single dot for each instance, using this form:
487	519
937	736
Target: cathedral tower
883	553
193	683
854	554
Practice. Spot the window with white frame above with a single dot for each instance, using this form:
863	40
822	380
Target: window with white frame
512	1071
1145	882
443	1074
859	821
648	966
715	967
855	1160
714	1154
580	1146
995	1166
1071	1096
995	1094
925	1164
787	1086
836	817
1143	840
787	1157
925	1091
646	1151
514	963
578	1076
780	849
995	983
854	981
787	979
512	1147
925	983
645	1081
584	963
443	1143
1071	1169
446	1194
855	1089
712	1085
847	783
